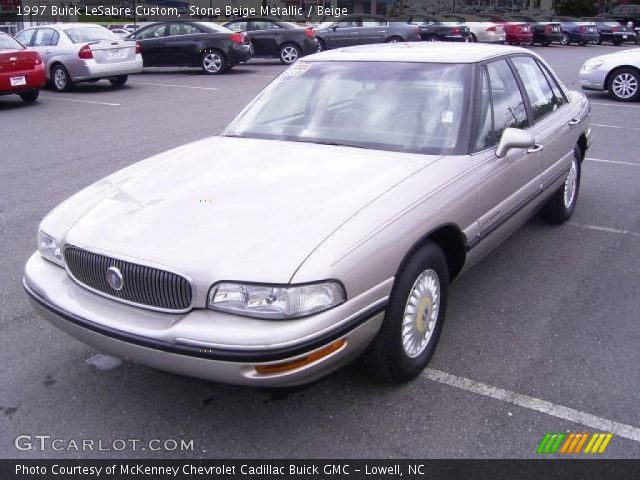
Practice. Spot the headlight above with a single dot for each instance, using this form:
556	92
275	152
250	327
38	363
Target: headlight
49	248
275	302
592	65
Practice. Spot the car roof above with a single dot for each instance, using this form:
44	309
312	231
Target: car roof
426	52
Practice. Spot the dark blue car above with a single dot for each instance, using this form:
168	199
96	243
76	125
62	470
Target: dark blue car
577	31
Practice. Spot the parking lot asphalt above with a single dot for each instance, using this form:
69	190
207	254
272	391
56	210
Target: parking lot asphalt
541	336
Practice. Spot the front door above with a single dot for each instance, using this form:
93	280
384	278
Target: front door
507	184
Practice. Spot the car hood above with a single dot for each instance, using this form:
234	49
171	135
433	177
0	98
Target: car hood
231	208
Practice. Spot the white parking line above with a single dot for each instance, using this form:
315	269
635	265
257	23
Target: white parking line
604	229
612	126
615	162
80	101
172	85
559	411
263	76
614	105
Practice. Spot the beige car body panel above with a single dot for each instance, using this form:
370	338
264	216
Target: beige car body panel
270	211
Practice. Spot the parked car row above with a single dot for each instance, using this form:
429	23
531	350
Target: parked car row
65	54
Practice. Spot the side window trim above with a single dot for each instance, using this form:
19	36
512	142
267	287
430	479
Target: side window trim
482	73
523	91
549	74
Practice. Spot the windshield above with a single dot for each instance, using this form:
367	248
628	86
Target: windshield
412	107
89	34
6	42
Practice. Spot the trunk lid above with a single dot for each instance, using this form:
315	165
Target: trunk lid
113	51
17	60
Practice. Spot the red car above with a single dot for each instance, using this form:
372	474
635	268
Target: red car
21	70
518	33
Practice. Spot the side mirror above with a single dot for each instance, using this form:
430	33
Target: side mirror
514	138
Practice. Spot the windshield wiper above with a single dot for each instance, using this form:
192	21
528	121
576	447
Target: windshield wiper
329	142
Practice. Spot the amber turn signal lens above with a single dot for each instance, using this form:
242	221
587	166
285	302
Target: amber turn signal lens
301	362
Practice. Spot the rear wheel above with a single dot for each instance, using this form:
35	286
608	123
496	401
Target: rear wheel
566	39
431	38
599	41
213	62
30	96
546	43
289	53
413	320
119	81
624	85
60	79
474	38
321	45
394	40
560	207
617	42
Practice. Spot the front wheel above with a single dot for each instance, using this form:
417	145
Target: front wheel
213	63
474	38
289	54
119	81
624	85
30	96
560	207
413	321
394	40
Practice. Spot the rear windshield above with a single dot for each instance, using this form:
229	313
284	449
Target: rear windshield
215	27
6	42
89	34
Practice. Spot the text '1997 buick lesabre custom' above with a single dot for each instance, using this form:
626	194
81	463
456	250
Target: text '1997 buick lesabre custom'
324	224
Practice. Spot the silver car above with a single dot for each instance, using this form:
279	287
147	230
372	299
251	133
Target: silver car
82	52
618	73
481	29
324	224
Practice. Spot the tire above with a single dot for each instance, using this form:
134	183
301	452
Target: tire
599	41
30	96
546	43
394	39
60	79
617	42
528	44
288	53
119	81
560	207
624	85
390	359
213	62
566	39
321	45
474	38
432	38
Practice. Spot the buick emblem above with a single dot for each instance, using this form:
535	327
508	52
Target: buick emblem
114	278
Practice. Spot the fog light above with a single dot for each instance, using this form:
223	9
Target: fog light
301	362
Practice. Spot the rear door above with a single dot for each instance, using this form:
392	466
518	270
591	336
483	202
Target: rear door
507	184
374	30
44	42
266	37
152	43
181	43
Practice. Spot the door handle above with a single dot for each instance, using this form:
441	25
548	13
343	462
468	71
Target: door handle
47	51
354	33
535	148
574	121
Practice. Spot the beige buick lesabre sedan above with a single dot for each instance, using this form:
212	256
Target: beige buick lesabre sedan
324	224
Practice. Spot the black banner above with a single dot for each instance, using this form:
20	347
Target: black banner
318	469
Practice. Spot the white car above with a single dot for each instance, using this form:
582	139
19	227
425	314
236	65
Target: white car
481	29
618	73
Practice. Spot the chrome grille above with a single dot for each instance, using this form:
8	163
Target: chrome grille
142	285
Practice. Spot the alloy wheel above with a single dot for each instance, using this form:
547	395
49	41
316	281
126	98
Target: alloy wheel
60	79
624	85
212	62
565	39
571	184
289	54
421	313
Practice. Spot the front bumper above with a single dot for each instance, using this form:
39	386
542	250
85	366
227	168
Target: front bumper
586	37
168	341
490	37
592	79
543	37
81	70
